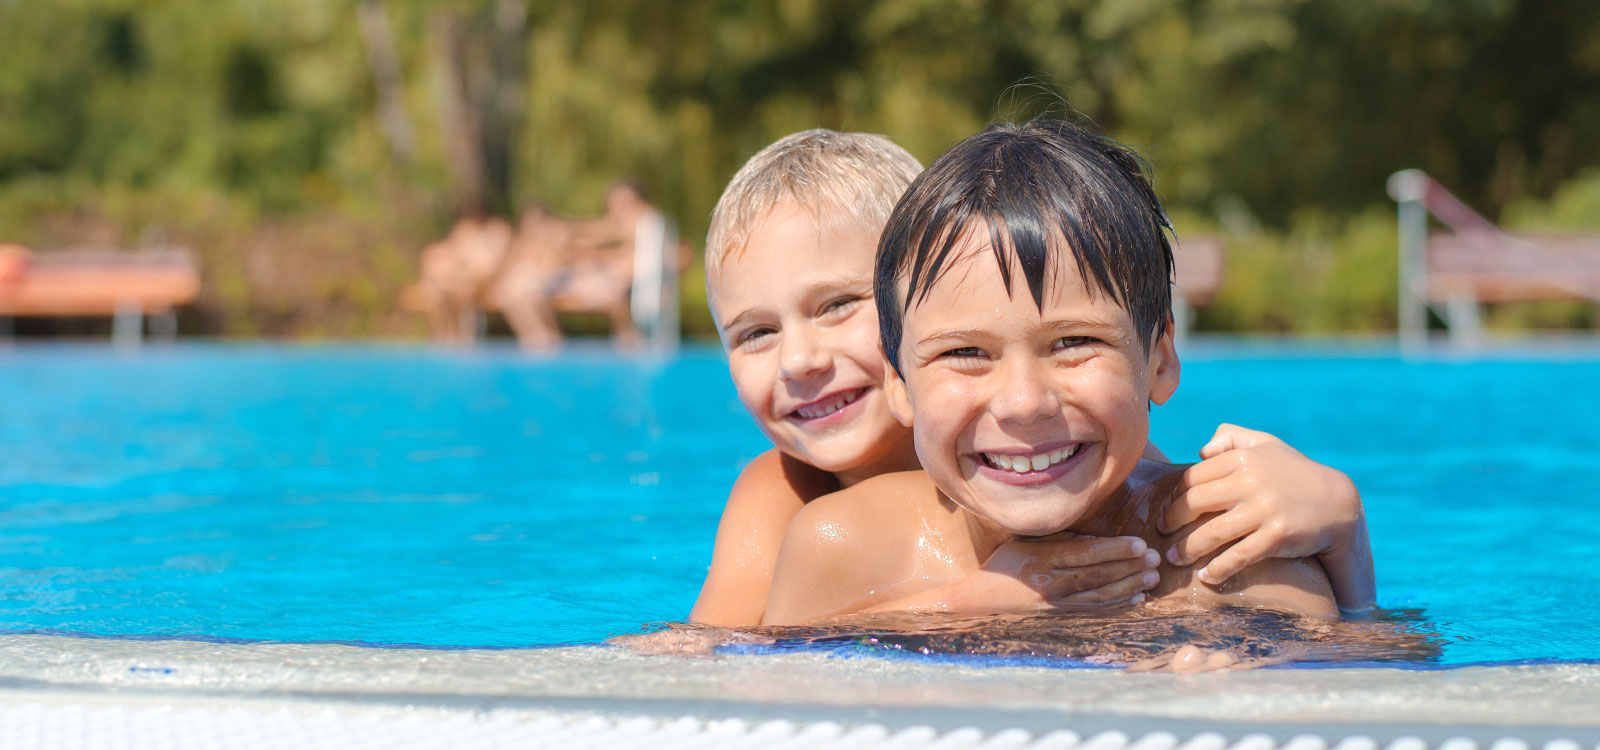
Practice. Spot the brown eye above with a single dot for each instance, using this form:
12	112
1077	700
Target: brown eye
753	335
1073	342
839	305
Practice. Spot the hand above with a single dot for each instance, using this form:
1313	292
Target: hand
1274	501
1196	659
1064	570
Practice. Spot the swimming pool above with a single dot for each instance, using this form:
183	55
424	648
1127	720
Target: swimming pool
388	496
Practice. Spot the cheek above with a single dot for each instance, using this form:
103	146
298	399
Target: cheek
861	344
753	380
942	411
1116	396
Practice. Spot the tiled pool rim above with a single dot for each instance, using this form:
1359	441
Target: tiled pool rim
65	722
68	692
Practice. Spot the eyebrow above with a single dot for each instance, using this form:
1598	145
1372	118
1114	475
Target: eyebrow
1077	323
960	333
1054	325
839	280
828	284
738	320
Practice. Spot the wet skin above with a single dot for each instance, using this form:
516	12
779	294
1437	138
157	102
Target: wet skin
796	316
994	387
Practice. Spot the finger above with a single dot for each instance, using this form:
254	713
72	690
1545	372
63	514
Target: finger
1129	589
1196	500
1207	537
1087	551
1072	581
1210	470
1244	553
1189	659
1231	436
1221	441
1219	660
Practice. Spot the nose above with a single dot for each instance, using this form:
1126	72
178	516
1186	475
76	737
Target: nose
1025	395
802	355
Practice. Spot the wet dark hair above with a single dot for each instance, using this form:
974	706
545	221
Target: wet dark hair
1033	185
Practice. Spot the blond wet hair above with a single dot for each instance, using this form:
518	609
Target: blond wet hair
843	178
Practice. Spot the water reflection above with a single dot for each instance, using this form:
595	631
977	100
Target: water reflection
1254	636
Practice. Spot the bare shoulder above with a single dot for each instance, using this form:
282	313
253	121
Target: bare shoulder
869	515
769	492
777	476
845	548
887	492
1296	585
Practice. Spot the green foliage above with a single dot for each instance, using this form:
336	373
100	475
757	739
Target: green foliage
1323	275
251	128
1574	207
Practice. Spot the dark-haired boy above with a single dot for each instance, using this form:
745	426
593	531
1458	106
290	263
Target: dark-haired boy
1022	287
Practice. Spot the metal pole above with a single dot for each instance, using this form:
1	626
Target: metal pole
1407	188
669	290
1182	317
127	324
653	301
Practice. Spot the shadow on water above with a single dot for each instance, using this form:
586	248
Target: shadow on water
1396	637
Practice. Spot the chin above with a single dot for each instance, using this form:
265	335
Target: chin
1040	529
830	460
1038	523
844	464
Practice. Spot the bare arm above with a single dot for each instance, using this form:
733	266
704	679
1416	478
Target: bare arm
1350	570
767	495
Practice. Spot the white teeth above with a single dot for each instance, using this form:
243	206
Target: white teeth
824	408
1021	464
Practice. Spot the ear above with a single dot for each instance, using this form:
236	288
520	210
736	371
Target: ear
1164	367
894	389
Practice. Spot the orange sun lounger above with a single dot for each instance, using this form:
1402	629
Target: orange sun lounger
125	285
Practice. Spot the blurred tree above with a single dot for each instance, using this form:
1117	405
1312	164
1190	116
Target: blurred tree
387	80
407	112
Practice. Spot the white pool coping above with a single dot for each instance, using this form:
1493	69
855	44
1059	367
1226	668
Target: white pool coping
58	692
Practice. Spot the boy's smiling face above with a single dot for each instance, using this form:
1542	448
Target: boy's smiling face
1026	417
796	316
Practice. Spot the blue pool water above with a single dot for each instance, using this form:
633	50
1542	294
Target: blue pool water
407	496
